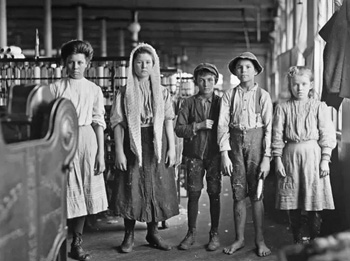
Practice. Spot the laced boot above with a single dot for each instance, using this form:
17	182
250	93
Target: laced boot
153	237
214	242
314	223
128	242
76	251
189	240
296	226
297	236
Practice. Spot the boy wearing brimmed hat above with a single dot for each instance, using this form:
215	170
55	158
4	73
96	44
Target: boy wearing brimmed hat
197	124
244	138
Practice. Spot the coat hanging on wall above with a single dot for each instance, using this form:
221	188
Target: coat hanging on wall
336	74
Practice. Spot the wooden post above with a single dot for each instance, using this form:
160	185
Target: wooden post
3	24
48	29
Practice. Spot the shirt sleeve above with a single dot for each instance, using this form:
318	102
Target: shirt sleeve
117	111
183	128
224	121
98	110
168	105
53	89
278	130
327	136
267	114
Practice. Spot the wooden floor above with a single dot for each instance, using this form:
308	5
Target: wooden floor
103	244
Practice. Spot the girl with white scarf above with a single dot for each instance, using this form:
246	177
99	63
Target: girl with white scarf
142	118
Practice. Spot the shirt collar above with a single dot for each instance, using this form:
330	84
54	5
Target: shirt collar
252	89
201	98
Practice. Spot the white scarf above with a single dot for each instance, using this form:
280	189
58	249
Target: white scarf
132	106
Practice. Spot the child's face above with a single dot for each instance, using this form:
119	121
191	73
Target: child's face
300	85
245	70
143	65
76	65
205	83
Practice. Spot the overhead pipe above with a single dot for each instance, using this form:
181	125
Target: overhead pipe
37	44
297	21
79	22
103	37
121	42
246	34
258	24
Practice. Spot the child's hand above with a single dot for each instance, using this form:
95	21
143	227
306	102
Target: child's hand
100	165
120	161
264	167
226	164
206	124
279	168
170	158
324	168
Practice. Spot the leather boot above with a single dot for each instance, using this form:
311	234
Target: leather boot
296	226
189	240
297	237
76	251
128	242
214	242
314	223
153	237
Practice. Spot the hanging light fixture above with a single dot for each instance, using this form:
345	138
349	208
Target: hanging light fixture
134	28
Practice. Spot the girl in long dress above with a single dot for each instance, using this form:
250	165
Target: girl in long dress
302	142
86	193
142	118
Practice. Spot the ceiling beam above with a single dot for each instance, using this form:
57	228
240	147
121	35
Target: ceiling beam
129	7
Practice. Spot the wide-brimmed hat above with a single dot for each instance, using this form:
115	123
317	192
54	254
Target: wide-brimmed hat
208	67
245	55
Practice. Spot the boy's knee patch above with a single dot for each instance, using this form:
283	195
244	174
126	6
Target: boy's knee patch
239	192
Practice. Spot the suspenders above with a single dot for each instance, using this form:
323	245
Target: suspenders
257	102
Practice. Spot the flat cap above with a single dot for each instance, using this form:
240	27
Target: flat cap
206	67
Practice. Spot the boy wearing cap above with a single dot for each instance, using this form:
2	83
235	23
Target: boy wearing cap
244	138
197	124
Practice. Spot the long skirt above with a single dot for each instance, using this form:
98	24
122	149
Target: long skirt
86	192
303	188
146	193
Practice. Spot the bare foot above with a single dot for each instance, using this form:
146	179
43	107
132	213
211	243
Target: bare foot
237	245
262	249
